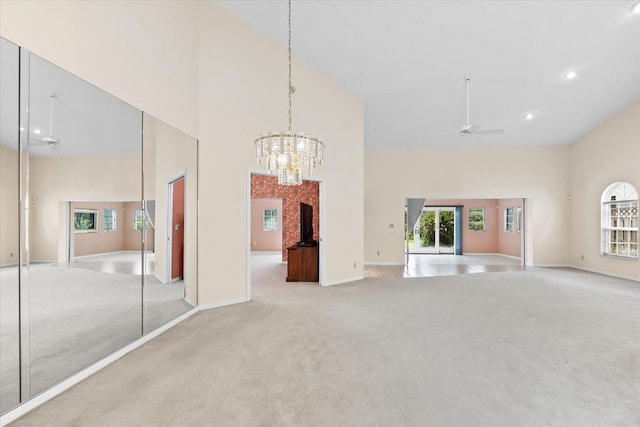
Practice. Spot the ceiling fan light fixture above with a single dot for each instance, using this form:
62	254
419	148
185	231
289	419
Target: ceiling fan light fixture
571	75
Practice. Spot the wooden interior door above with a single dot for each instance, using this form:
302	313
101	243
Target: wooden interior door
177	228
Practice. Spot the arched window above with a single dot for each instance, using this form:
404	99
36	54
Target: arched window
620	220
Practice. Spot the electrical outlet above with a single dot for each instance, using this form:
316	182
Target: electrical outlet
355	265
582	257
378	253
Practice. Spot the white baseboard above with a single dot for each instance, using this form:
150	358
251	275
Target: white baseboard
223	303
342	281
492	254
49	394
14	264
384	263
107	253
605	273
553	265
191	303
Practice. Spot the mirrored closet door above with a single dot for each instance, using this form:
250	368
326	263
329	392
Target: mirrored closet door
92	255
9	227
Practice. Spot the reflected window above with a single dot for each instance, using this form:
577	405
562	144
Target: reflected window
508	219
109	220
519	219
138	220
85	221
476	220
270	220
620	220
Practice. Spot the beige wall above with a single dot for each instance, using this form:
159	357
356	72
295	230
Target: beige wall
100	241
608	154
144	52
213	77
57	180
265	240
169	154
243	93
124	238
9	199
540	174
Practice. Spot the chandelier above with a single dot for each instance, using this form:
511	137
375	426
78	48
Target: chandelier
289	155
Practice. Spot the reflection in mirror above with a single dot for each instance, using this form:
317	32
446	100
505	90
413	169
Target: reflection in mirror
85	185
9	227
170	164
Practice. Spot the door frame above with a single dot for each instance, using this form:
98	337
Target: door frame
169	224
321	234
436	249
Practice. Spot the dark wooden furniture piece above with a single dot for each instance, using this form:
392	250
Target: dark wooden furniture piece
302	264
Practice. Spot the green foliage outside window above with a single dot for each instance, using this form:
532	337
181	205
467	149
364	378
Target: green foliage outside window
476	219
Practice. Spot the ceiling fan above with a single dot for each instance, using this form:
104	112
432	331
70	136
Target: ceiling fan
48	141
475	129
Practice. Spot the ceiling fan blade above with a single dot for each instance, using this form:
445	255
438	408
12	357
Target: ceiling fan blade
489	132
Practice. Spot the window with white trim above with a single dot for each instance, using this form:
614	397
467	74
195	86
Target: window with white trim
476	219
508	219
138	220
109	220
270	220
620	221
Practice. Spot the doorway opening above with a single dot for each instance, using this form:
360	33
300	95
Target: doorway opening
494	227
434	232
277	208
175	230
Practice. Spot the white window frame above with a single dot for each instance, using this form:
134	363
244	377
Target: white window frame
143	222
484	219
94	212
114	220
619	195
508	219
268	216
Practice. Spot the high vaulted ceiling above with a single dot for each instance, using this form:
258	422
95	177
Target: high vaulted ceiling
407	61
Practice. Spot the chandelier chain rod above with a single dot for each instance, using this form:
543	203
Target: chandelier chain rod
290	88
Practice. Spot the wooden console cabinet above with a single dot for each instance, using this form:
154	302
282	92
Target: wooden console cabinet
302	264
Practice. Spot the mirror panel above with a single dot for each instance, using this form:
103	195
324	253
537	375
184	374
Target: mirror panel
171	199
90	258
9	227
85	183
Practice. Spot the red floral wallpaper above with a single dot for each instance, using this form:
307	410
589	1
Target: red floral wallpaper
266	187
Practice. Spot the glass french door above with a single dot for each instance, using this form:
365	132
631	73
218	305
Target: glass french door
434	232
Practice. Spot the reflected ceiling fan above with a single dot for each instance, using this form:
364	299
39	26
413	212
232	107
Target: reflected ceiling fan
475	129
48	141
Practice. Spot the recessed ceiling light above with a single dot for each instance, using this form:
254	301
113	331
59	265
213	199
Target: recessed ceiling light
635	8
571	75
21	129
529	116
37	131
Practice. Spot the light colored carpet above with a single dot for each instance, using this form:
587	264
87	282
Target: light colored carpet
529	348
